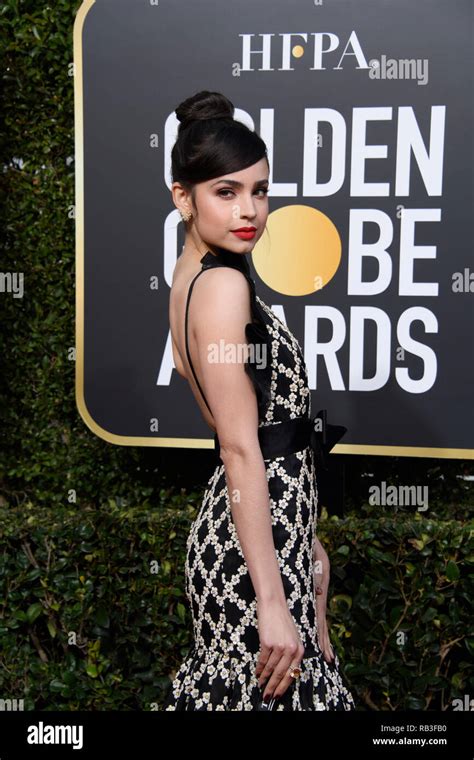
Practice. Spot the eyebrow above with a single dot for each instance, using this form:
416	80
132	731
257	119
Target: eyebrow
235	183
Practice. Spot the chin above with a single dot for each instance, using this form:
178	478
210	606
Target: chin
243	246
237	246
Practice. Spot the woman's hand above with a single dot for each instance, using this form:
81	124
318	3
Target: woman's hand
321	575
281	647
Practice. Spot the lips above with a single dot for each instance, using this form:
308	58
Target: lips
245	234
245	229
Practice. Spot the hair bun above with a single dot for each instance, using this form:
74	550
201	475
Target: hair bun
204	105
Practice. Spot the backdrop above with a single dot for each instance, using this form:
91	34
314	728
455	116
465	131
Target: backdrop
366	110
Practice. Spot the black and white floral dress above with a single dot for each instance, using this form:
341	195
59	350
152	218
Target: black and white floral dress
219	671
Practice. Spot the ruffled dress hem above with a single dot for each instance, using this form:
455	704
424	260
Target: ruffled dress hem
212	680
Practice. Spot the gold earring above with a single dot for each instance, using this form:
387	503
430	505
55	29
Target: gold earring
185	215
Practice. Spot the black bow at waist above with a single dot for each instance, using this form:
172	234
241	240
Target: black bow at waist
284	438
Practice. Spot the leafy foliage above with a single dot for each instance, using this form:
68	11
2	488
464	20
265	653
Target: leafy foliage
402	608
95	599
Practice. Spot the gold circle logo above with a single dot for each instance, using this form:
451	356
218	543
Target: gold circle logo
297	51
301	252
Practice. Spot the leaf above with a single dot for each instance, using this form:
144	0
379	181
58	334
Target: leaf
56	685
452	571
415	703
416	543
344	598
34	611
91	669
51	628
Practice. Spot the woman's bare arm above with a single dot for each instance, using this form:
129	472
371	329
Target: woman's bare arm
321	576
320	555
219	311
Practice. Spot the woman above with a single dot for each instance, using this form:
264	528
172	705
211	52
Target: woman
260	631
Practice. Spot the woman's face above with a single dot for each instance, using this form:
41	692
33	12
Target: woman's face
230	202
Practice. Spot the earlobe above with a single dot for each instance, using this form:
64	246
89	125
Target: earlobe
185	215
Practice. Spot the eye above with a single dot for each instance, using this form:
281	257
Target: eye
222	192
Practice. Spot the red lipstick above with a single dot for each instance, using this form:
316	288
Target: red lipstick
245	233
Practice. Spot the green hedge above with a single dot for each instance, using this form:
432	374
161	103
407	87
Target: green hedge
403	607
95	614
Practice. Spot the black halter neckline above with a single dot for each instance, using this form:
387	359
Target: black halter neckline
224	257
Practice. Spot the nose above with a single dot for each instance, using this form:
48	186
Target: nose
247	207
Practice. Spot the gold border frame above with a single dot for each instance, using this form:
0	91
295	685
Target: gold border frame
195	443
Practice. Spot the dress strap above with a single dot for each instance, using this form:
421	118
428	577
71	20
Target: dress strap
186	337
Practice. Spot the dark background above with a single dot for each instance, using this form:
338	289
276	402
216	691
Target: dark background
138	66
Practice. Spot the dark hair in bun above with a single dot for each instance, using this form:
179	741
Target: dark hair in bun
204	105
210	141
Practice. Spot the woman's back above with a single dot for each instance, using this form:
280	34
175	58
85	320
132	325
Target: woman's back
184	273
